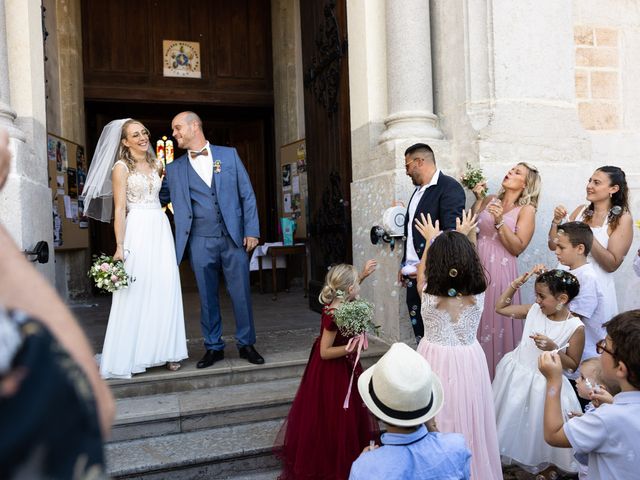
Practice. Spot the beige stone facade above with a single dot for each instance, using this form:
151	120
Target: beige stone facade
490	83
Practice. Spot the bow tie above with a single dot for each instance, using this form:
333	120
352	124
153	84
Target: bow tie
204	152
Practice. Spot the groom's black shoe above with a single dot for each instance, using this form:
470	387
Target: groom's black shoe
211	357
251	354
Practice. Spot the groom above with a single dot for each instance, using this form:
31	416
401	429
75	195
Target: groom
217	224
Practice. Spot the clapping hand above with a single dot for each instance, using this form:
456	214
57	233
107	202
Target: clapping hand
559	213
467	223
427	228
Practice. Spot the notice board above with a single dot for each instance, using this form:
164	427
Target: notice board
67	167
293	186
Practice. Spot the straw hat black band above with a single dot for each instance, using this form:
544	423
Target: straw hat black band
399	414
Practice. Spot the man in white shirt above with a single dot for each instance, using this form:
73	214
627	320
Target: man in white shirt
436	194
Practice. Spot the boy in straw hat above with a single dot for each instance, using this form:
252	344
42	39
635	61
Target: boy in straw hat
402	391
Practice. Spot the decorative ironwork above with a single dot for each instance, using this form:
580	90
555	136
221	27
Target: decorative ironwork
332	225
323	77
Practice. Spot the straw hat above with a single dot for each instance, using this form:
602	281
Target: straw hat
400	389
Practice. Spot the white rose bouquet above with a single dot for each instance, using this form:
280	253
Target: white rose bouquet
473	176
109	274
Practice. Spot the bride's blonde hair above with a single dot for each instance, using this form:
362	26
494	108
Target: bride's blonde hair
338	280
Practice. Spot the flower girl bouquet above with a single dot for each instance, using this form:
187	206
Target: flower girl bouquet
473	176
109	274
355	319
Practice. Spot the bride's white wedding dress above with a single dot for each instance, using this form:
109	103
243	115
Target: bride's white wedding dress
146	323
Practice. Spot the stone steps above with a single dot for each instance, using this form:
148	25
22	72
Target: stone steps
181	412
223	452
218	422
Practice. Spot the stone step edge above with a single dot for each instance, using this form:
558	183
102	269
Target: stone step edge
283	397
230	369
246	446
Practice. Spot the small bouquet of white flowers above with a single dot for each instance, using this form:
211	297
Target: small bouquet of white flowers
109	274
355	318
473	176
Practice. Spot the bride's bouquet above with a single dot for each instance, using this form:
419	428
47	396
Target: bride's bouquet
472	176
109	274
355	319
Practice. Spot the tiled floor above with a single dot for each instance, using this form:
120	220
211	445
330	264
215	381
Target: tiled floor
291	311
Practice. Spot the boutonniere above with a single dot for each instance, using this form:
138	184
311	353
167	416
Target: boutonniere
217	166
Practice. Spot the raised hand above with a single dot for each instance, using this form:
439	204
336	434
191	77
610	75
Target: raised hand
468	222
480	190
559	213
368	269
495	210
427	228
550	366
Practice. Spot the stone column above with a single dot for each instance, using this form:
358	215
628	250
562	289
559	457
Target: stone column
409	76
7	114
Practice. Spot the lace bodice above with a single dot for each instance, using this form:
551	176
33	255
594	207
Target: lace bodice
441	329
143	188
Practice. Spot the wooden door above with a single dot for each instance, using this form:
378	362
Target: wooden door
328	136
248	130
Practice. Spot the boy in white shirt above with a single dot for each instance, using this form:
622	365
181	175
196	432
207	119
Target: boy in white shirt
610	434
573	244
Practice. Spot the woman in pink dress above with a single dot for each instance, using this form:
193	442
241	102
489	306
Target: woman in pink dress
453	283
506	223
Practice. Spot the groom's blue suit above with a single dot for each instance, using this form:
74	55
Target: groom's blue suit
211	223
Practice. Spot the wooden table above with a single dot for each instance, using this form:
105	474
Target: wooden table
285	250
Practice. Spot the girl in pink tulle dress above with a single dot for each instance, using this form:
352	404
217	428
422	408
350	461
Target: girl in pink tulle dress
506	223
453	282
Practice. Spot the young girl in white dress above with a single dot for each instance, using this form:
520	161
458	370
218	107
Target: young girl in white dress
519	388
146	322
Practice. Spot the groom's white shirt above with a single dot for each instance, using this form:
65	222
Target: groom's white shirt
203	164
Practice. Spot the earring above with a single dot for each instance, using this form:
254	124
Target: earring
559	307
610	195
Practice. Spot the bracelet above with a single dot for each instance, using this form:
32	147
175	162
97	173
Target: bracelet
498	225
516	287
555	223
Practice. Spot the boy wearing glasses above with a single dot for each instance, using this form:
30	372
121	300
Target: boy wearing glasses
610	435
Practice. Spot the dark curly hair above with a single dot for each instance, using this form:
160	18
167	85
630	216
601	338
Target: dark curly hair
560	281
619	199
453	264
624	331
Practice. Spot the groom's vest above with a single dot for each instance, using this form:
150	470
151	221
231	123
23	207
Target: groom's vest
207	219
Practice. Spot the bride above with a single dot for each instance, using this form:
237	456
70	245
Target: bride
146	322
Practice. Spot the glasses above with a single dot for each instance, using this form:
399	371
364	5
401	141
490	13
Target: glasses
406	165
601	346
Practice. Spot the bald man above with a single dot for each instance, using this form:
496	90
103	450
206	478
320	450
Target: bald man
217	225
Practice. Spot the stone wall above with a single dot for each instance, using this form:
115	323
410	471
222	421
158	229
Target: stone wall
25	202
607	46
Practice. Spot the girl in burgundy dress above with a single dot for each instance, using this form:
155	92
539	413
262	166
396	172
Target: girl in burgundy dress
320	439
